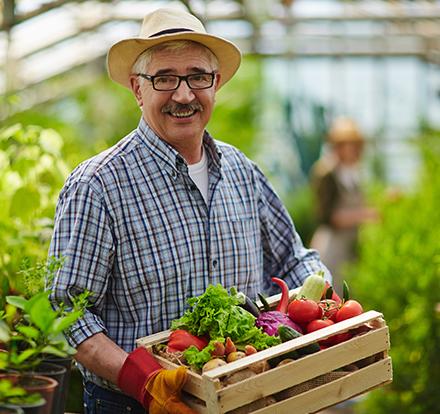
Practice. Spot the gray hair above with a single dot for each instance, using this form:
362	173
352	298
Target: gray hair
145	58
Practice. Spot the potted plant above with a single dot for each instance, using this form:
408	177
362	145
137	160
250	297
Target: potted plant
31	331
13	398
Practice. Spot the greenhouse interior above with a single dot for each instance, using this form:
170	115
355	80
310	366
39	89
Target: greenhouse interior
305	64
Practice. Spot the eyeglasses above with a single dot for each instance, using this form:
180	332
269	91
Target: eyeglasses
172	82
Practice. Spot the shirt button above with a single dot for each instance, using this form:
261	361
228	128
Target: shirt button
214	263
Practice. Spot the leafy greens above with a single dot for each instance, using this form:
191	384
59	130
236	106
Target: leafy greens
217	314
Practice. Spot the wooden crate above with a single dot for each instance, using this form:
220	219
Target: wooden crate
306	385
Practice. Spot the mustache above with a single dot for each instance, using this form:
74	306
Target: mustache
178	107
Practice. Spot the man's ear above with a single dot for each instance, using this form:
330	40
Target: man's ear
136	89
218	76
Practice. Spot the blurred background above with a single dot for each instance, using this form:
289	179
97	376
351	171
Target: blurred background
306	62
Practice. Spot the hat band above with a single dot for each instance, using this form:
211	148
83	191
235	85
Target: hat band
170	31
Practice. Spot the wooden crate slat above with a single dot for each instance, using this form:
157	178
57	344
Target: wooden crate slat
356	383
154	339
311	366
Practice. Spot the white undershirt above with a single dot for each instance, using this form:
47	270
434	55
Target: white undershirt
199	174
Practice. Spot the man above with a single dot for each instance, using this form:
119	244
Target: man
164	213
341	206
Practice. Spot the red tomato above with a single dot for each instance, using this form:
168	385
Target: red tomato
329	308
348	310
303	311
319	324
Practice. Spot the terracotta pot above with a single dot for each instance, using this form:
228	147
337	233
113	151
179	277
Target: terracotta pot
42	385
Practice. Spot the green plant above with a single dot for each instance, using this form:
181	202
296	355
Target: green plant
14	395
30	329
31	175
399	274
34	330
235	118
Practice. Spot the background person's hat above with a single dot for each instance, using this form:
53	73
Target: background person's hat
164	25
344	129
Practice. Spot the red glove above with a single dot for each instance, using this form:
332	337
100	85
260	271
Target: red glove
141	372
139	366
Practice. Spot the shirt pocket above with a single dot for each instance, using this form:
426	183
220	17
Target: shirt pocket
242	251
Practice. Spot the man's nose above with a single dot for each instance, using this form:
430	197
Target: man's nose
183	93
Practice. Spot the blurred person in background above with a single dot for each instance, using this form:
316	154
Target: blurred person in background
340	202
168	210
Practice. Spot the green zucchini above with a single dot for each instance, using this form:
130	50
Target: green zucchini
287	333
313	287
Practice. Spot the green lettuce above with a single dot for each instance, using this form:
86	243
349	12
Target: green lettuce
217	314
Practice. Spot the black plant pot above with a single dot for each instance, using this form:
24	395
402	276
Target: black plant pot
58	373
66	363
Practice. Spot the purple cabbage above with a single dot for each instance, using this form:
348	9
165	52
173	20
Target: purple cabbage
270	320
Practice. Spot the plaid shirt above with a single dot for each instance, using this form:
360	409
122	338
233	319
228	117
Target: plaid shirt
135	231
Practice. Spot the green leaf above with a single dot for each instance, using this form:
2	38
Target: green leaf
26	354
51	350
25	202
61	324
29	331
17	301
4	332
40	312
345	291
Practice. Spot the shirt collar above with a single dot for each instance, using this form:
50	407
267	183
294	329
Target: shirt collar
167	156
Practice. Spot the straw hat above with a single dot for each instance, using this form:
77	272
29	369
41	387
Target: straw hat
344	130
164	25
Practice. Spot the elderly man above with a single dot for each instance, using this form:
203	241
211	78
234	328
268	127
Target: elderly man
161	215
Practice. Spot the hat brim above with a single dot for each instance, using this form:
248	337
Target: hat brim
123	54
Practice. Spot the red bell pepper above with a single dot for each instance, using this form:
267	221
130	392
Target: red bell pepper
180	340
284	301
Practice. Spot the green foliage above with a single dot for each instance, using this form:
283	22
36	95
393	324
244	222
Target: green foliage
31	175
299	203
13	395
235	118
399	275
31	329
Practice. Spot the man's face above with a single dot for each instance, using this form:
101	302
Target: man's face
180	116
349	152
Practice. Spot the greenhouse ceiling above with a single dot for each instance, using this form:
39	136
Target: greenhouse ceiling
47	48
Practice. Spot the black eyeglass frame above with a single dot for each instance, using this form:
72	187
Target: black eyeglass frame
181	78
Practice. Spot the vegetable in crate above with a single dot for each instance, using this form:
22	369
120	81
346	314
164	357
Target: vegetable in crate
302	311
180	340
287	333
313	287
269	320
217	314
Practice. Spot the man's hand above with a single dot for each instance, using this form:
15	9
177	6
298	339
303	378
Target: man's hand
156	388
